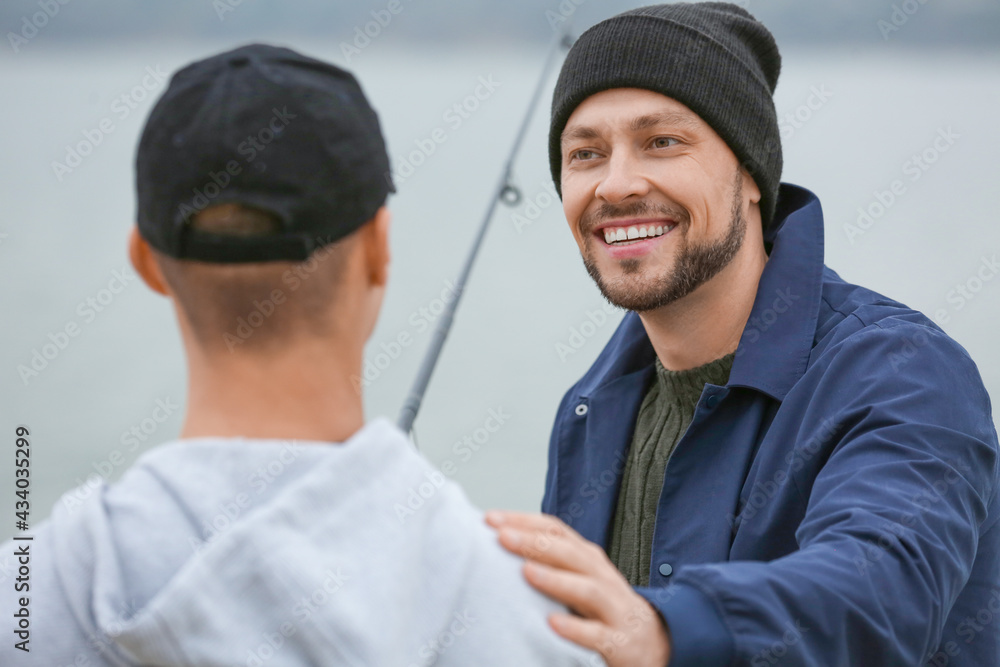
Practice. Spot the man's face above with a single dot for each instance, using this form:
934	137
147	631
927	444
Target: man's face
655	199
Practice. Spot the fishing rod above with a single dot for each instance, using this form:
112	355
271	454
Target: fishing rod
506	192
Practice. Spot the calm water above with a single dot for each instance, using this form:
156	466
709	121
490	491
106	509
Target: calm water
856	122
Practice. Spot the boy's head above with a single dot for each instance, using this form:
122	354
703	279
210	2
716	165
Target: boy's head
262	177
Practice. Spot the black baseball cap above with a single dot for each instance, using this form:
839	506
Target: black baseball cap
265	127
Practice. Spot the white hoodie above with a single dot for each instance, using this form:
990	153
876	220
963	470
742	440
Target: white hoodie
269	553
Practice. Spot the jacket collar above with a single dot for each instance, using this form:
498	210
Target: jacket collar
774	349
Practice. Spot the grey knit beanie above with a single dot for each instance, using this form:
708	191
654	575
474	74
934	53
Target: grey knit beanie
713	57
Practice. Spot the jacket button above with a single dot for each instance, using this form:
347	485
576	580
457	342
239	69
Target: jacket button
581	409
712	401
666	570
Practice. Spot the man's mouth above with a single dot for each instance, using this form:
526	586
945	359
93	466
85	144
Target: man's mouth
627	235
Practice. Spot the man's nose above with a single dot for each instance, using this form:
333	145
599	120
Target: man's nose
622	179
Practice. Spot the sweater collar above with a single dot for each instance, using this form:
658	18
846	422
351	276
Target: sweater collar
690	382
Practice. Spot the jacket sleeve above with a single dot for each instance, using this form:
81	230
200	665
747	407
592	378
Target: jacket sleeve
891	525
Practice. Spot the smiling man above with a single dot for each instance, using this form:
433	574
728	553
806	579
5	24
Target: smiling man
765	464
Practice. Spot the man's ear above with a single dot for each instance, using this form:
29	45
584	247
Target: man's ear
376	242
145	263
750	187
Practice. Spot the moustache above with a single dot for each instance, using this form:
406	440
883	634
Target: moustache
636	209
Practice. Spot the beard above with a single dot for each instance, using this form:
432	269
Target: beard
695	264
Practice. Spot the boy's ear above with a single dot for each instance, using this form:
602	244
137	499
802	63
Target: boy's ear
145	264
376	240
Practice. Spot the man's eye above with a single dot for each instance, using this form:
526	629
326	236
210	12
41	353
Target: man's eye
664	142
582	154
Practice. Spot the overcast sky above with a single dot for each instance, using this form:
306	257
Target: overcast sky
918	23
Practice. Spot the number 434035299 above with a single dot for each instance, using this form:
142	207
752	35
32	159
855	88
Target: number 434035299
22	472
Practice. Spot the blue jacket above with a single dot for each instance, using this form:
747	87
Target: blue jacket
834	504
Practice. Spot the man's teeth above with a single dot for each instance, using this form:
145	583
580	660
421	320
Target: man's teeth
615	234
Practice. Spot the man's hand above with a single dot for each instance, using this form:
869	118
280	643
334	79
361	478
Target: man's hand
613	619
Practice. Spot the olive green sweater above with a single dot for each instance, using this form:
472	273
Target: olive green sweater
664	415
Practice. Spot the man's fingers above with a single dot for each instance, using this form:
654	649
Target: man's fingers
569	552
593	635
526	521
546	539
576	591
